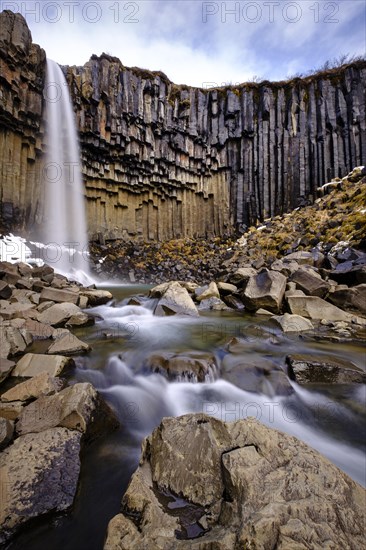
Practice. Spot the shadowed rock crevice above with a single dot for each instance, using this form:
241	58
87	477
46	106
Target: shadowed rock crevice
254	487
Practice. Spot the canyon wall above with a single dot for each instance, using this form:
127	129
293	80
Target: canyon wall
161	161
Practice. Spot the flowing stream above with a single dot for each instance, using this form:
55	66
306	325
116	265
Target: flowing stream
329	418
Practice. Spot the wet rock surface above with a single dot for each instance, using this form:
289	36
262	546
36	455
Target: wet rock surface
308	370
39	474
250	487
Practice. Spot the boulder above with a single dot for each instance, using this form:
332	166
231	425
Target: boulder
257	374
292	323
301	257
80	320
350	298
5	290
9	273
39	474
6	367
286	267
189	367
38	331
58	314
305	369
226	288
96	297
159	290
310	282
12	410
77	407
241	276
233	301
6	432
43	384
15	310
316	308
211	291
202	483
175	300
33	364
58	296
265	290
68	344
11	341
346	273
213	303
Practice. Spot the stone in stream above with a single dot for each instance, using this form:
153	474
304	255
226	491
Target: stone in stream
188	367
33	364
306	369
255	374
68	344
265	290
78	407
39	473
292	323
80	319
175	300
96	297
238	485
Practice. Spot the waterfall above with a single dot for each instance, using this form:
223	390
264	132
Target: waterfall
64	228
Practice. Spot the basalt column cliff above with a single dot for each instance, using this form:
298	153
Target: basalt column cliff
163	161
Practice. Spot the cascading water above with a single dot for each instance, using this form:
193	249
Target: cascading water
64	230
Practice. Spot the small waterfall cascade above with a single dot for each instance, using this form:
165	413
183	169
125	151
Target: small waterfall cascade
64	228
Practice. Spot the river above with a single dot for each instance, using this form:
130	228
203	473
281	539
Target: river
329	418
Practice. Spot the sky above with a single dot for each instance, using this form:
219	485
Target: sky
200	43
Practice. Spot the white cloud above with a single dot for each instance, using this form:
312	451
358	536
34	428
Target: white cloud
171	36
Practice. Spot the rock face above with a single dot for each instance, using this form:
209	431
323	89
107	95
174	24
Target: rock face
39	474
22	68
77	407
265	290
164	161
175	300
322	370
204	484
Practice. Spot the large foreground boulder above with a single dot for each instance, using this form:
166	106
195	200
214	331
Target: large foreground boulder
204	484
265	290
38	474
